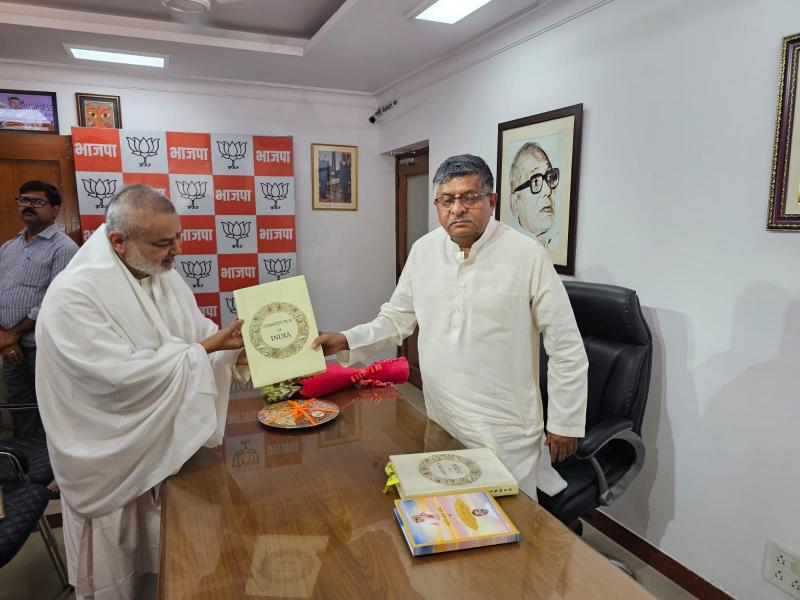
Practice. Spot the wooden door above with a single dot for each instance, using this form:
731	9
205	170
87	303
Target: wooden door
412	204
48	157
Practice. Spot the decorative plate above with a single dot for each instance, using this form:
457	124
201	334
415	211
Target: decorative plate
296	414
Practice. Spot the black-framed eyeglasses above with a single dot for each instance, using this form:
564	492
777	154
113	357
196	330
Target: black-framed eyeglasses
535	182
467	199
31	201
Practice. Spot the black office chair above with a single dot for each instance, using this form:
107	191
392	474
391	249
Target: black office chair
34	449
620	348
24	503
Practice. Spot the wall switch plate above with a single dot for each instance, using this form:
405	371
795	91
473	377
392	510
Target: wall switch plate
782	568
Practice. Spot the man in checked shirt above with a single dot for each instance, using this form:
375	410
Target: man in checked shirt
28	263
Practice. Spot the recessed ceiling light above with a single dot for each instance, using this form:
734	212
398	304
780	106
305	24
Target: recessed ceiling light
188	6
142	60
450	11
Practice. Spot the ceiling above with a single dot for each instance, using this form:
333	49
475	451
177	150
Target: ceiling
354	45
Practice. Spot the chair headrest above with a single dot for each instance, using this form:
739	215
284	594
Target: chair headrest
608	311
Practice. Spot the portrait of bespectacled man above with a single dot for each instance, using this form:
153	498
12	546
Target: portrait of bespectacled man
537	180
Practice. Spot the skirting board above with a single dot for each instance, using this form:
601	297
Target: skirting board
667	566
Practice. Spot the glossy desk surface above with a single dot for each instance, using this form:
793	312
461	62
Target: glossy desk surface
301	514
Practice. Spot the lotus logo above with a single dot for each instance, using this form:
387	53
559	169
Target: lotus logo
236	230
197	270
143	147
232	151
241	386
231	305
278	266
100	189
245	456
192	191
275	192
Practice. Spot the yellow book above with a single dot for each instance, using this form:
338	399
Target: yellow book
278	329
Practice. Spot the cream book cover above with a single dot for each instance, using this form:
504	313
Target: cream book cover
467	470
278	329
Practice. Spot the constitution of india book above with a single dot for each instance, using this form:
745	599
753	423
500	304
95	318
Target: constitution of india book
278	329
467	470
433	524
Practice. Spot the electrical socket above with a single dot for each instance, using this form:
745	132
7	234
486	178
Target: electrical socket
782	568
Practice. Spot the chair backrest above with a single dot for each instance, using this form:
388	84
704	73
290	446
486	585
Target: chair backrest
619	347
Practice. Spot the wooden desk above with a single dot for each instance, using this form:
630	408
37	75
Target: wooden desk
275	514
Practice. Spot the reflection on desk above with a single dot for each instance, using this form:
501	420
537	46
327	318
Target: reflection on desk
301	514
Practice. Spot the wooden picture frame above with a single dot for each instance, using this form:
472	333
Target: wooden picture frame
783	212
28	111
95	110
334	177
538	167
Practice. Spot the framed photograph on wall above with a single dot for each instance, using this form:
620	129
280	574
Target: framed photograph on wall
538	160
784	192
334	177
98	111
25	110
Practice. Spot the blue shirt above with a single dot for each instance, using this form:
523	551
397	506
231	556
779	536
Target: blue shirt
26	269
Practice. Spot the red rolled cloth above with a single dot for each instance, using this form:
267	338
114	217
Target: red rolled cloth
337	378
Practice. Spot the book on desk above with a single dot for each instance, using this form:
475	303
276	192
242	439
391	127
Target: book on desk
433	524
467	470
278	329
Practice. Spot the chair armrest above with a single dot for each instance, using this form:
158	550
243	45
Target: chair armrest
19	406
19	462
599	435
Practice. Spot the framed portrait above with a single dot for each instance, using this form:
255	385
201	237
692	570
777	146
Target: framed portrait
98	111
30	111
538	160
784	194
334	177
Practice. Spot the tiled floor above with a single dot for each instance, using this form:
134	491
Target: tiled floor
30	576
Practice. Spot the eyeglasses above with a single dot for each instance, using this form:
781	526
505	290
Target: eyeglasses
29	201
467	199
535	182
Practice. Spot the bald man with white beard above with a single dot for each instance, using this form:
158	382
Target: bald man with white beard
132	381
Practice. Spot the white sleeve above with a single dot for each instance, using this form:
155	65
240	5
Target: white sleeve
395	322
568	366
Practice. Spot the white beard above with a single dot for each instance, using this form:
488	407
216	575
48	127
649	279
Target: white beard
137	261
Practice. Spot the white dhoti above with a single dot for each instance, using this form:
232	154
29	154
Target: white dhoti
127	394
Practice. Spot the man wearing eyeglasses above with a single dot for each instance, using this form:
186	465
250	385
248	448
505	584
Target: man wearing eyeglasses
28	263
533	187
481	293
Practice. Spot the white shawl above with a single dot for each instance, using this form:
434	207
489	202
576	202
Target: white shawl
126	392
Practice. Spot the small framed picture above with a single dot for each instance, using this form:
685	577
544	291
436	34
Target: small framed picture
538	160
334	177
30	111
783	213
98	111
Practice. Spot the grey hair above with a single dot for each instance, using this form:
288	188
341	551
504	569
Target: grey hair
462	166
528	149
125	211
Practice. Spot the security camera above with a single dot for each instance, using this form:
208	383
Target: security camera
376	116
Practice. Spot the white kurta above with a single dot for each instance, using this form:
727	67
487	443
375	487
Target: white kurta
479	322
127	394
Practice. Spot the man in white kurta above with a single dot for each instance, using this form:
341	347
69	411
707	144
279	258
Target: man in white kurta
481	294
132	380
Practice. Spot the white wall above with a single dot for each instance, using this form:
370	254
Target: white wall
679	100
332	247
